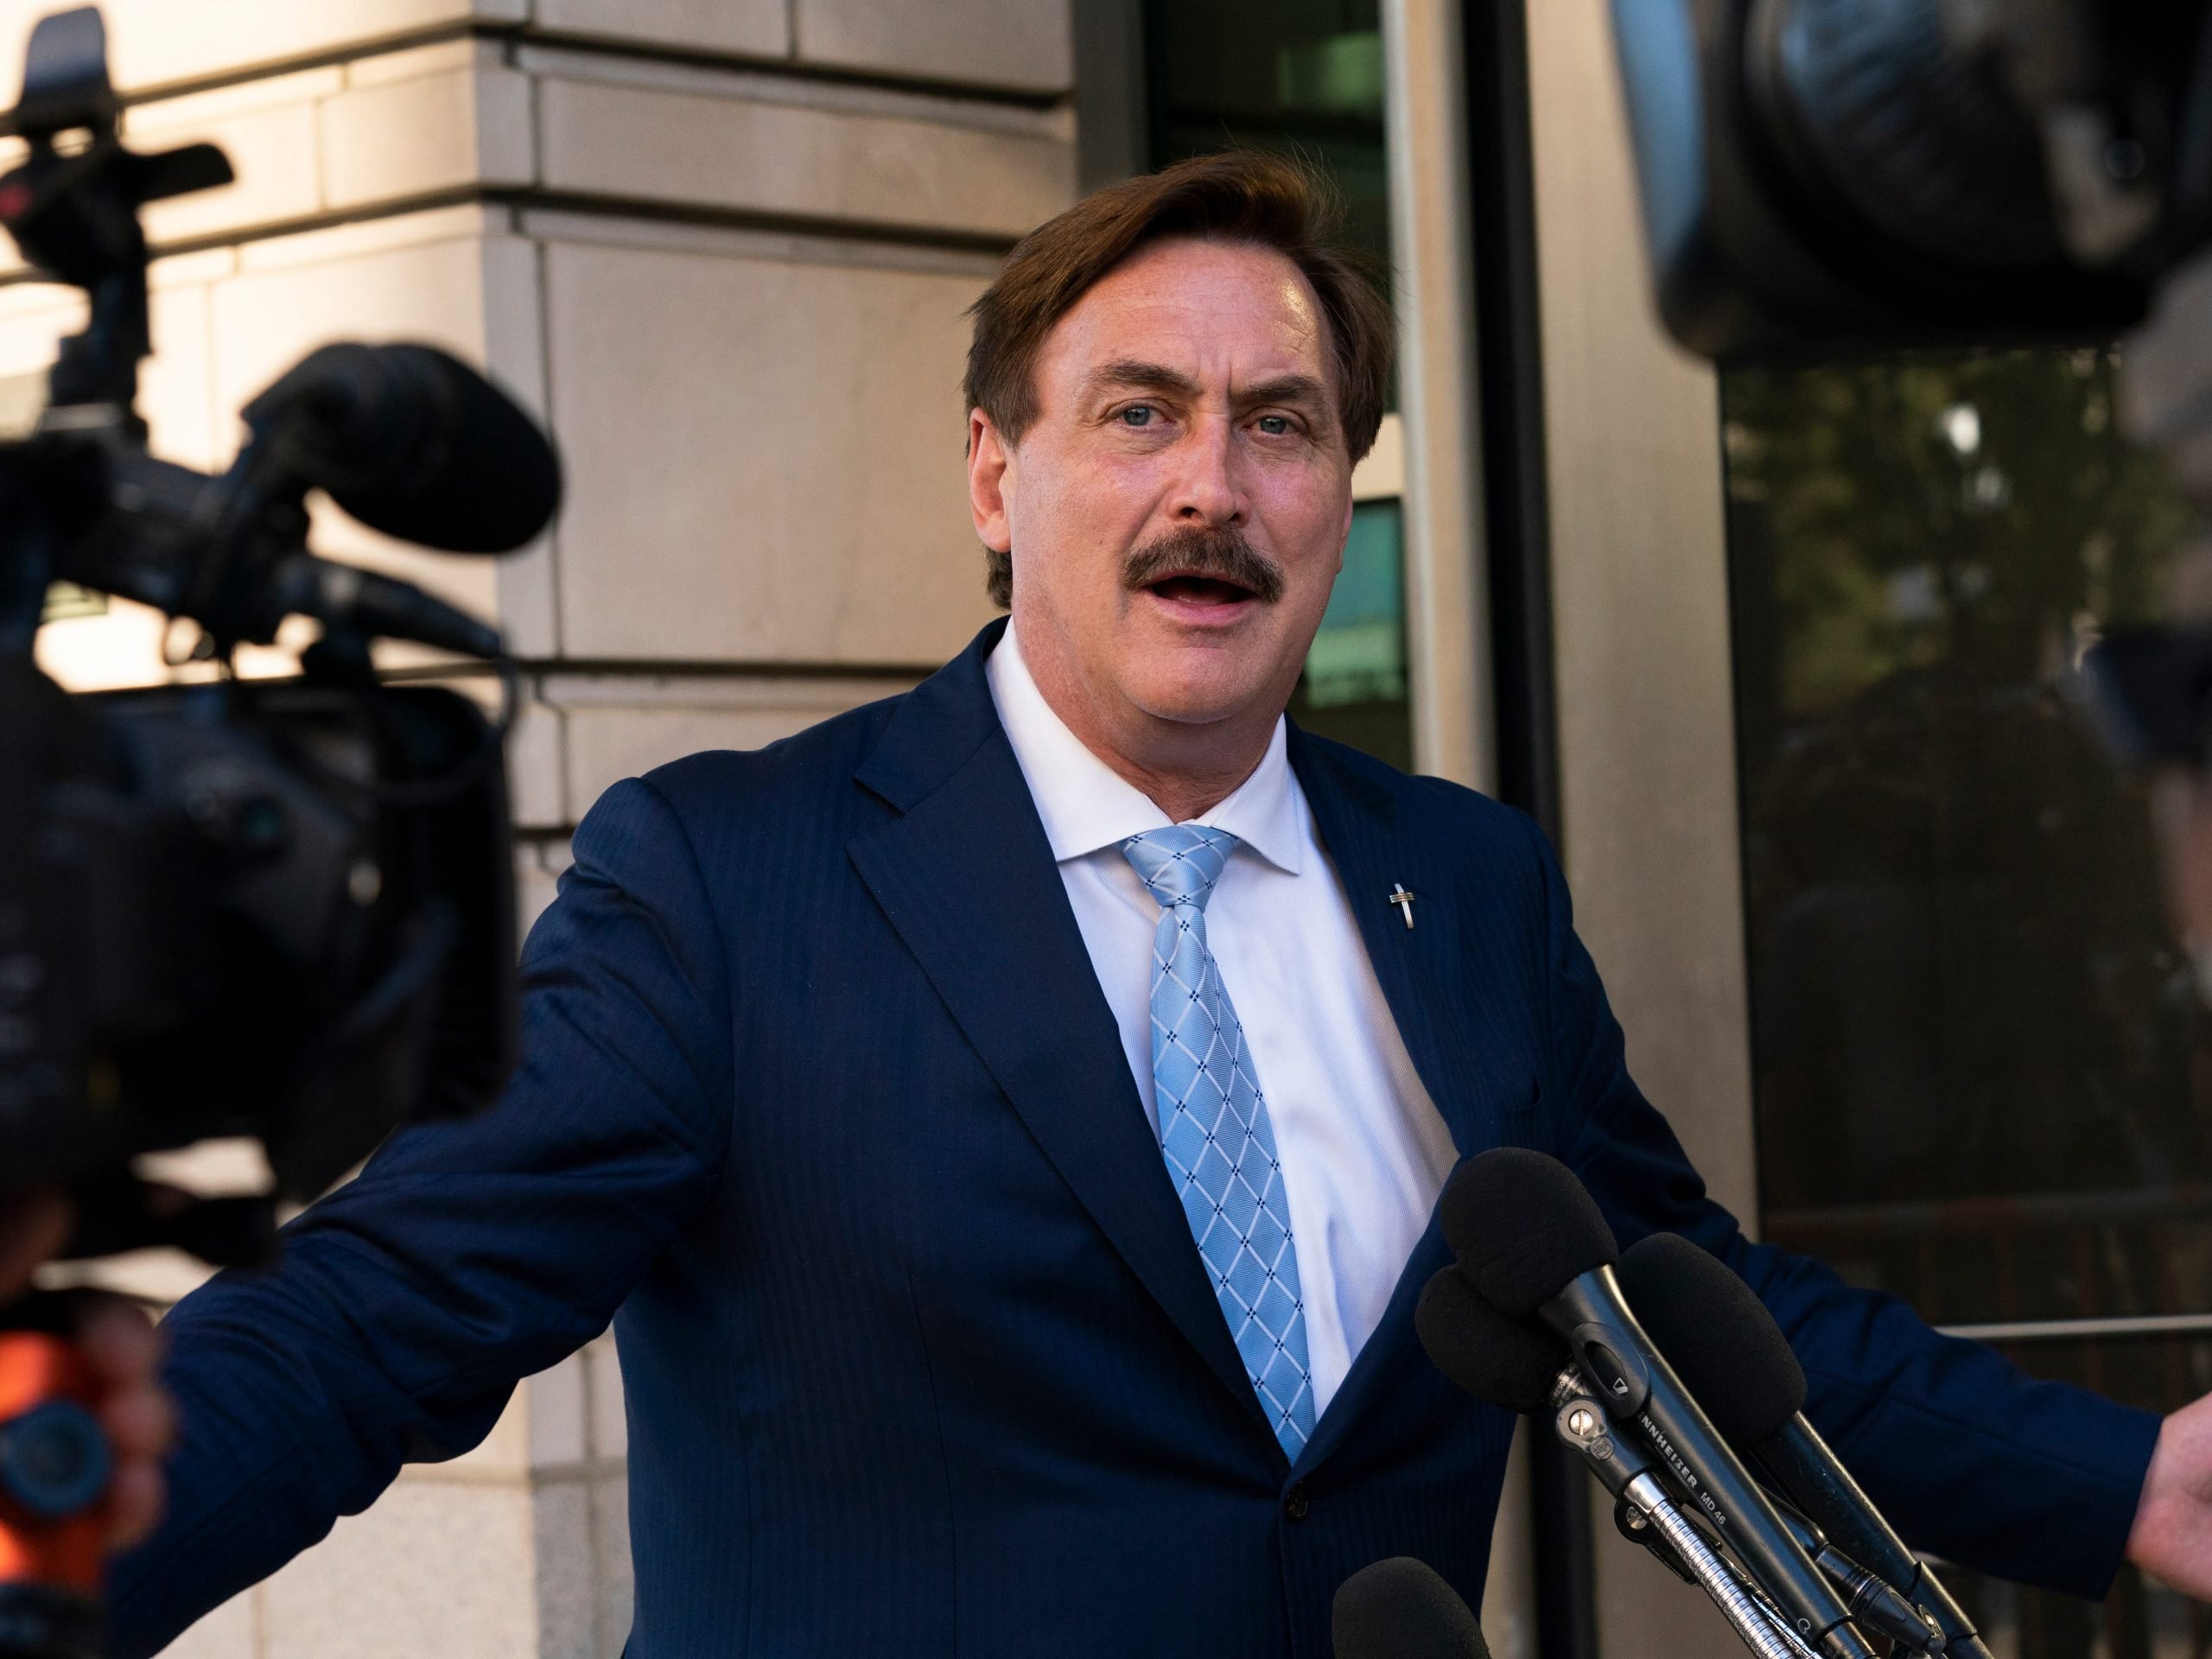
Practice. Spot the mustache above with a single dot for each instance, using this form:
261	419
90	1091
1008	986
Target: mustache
1220	555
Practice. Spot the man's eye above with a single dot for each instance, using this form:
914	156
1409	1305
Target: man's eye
1137	414
1275	425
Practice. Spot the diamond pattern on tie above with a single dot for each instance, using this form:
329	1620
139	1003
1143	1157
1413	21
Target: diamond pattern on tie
1214	1130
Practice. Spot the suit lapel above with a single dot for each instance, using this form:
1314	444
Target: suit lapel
1438	992
1439	989
966	876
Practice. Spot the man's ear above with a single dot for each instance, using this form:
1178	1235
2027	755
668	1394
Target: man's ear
990	482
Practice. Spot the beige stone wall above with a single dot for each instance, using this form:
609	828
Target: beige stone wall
722	247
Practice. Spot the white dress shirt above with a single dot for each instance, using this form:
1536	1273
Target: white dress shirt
1363	1150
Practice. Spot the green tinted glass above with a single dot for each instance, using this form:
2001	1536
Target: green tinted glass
1354	687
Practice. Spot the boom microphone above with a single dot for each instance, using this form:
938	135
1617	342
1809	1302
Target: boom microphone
413	442
1400	1609
1532	1242
1724	1344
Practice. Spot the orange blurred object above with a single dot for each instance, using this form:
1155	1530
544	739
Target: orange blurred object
62	1551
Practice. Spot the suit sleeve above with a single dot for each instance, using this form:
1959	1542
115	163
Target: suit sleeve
1970	1458
467	1255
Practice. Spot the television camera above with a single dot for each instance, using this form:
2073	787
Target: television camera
281	909
1831	177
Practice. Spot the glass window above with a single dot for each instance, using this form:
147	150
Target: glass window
1983	1080
1305	76
1354	687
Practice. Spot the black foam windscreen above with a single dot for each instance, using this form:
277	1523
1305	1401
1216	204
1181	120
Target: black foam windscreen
1508	1362
1400	1609
1717	1335
414	443
1523	1228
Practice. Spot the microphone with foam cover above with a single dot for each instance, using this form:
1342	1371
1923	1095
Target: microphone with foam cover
413	442
1726	1345
1508	1362
1400	1609
1534	1244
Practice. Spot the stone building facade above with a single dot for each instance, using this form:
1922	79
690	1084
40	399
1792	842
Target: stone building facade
723	248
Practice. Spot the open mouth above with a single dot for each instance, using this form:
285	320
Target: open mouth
1200	590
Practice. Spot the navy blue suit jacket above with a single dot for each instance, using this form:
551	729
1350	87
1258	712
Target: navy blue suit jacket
822	1103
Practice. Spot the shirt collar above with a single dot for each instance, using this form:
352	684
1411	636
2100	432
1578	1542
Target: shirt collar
1087	805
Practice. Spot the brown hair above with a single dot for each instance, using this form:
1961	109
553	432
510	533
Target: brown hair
1241	195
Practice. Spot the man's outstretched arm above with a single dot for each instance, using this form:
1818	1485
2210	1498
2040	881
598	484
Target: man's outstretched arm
1970	1458
468	1255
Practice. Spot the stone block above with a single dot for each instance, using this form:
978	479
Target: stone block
742	27
559	1414
610	1427
182	422
412	62
610	1498
153	43
358	282
535	886
33	317
790	487
267	129
1027	44
173	385
703	148
397	138
514	355
609	740
536	768
431	1571
566	1580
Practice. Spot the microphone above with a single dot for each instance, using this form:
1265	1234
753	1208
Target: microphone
1532	1242
1528	1370
413	442
1400	1609
344	596
1726	1346
1508	1362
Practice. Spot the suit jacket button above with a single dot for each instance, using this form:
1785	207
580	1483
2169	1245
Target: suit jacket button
1295	1503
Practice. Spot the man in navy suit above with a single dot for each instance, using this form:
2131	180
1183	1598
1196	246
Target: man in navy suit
1003	1123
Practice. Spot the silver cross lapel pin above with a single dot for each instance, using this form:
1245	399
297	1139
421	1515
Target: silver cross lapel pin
1404	901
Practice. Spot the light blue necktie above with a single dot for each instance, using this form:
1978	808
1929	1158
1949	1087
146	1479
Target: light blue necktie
1214	1129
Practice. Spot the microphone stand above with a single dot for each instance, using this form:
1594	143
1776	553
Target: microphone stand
1644	1503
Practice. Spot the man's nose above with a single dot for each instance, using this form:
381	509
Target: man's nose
1207	491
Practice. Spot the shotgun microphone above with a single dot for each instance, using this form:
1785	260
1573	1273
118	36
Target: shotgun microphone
414	443
1400	1609
1724	1344
1532	1242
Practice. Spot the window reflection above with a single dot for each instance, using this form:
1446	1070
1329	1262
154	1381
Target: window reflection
1304	76
1983	1082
